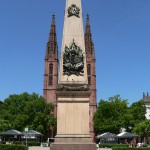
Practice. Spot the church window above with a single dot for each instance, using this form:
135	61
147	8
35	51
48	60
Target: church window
50	74
51	69
50	80
89	69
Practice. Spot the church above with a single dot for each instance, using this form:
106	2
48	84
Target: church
52	62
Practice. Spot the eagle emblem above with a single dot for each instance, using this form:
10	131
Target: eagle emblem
73	10
73	60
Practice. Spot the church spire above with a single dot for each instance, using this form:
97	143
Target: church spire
88	30
89	46
52	46
90	58
51	66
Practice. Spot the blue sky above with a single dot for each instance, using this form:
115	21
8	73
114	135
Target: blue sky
120	31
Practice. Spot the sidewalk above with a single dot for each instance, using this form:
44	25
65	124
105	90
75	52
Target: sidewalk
48	148
38	148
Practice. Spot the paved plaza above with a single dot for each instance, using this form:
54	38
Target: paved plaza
47	148
38	148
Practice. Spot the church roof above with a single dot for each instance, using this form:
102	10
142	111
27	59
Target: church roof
146	98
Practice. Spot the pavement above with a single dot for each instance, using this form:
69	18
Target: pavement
47	148
39	148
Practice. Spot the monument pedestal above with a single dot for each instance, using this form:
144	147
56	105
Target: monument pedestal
73	121
73	146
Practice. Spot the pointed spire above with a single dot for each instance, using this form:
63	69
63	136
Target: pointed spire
89	46
147	94
143	95
52	36
53	21
52	47
88	30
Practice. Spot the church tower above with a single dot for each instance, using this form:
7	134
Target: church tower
90	59
51	67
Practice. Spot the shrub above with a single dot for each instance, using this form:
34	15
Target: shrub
32	143
17	143
12	147
112	145
129	148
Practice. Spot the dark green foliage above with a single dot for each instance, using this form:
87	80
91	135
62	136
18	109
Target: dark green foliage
114	114
138	111
26	110
32	143
18	143
128	148
142	128
1	104
112	145
110	114
12	147
24	143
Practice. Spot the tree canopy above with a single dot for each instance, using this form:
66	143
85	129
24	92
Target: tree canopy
26	110
1	104
142	128
109	115
114	114
138	111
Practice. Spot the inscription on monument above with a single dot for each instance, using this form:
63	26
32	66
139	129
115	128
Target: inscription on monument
73	60
62	87
73	10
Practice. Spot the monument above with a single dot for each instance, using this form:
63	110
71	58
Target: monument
73	92
51	67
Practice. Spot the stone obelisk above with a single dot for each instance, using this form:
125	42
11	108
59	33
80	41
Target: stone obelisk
73	92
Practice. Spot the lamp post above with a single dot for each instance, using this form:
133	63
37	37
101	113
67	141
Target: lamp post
26	131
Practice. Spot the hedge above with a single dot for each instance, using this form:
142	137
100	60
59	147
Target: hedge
129	148
112	145
12	147
32	143
24	143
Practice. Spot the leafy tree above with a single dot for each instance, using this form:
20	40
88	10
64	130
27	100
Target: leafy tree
138	111
26	110
143	129
127	121
1	104
52	124
110	114
4	125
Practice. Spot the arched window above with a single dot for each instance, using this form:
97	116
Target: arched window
50	80
51	69
89	69
50	74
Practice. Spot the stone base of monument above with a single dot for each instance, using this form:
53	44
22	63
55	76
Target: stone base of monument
73	142
73	146
77	138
